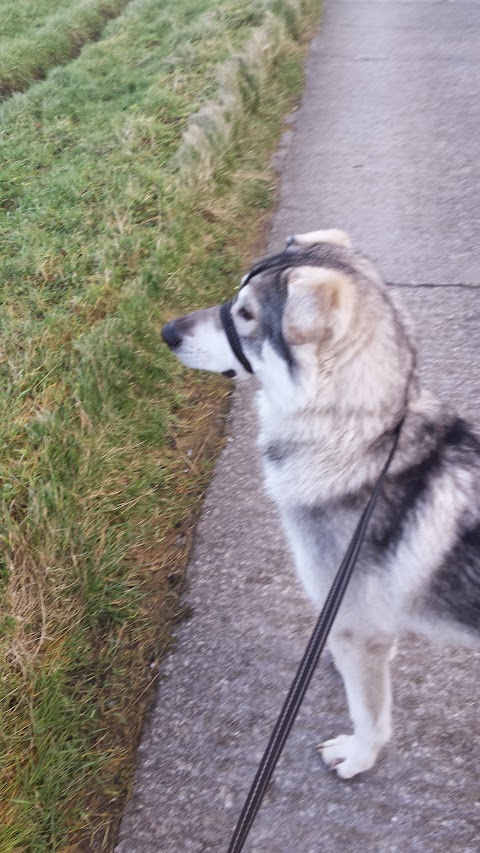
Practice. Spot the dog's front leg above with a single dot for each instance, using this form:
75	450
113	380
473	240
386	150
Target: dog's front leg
363	663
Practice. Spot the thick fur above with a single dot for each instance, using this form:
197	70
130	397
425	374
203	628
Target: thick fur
337	369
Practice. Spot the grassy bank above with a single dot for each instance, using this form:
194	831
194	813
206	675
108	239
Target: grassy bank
133	183
33	50
24	17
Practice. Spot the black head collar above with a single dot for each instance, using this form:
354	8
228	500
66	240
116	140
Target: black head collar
278	262
232	337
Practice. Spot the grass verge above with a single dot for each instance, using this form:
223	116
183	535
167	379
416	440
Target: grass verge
134	181
29	54
23	17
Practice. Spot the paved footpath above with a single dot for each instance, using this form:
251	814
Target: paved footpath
386	145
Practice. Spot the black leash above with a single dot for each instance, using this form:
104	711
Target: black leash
307	666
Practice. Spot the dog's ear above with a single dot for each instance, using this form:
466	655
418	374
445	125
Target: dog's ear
332	235
318	307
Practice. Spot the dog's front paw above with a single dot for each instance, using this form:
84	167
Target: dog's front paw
348	755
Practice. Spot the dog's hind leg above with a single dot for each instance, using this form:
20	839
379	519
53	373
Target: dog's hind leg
363	663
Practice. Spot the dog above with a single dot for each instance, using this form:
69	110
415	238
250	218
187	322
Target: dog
333	354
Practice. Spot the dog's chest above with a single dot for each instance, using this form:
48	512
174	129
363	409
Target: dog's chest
301	485
296	473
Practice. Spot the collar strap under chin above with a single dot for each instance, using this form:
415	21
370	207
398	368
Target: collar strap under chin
275	262
232	336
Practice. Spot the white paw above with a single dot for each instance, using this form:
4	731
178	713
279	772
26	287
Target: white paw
348	755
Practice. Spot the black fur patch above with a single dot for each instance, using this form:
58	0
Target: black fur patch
455	589
460	436
273	300
404	494
279	451
401	497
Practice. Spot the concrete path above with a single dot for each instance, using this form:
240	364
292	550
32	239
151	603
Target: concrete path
387	146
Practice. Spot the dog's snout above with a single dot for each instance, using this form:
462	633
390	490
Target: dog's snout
171	335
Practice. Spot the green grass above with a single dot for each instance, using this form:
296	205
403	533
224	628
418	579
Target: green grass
23	17
119	111
35	37
109	224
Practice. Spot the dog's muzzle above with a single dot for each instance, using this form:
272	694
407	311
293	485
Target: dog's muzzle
172	336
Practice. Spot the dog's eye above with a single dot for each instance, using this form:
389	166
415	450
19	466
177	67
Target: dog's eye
244	313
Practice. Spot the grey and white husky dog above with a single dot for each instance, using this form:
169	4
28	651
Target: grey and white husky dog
334	357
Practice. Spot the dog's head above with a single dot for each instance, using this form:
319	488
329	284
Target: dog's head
298	318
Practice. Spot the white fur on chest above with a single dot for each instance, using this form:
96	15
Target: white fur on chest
302	472
320	458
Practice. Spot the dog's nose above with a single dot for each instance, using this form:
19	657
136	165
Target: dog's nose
171	336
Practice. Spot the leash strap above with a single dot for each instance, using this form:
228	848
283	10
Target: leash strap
307	666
